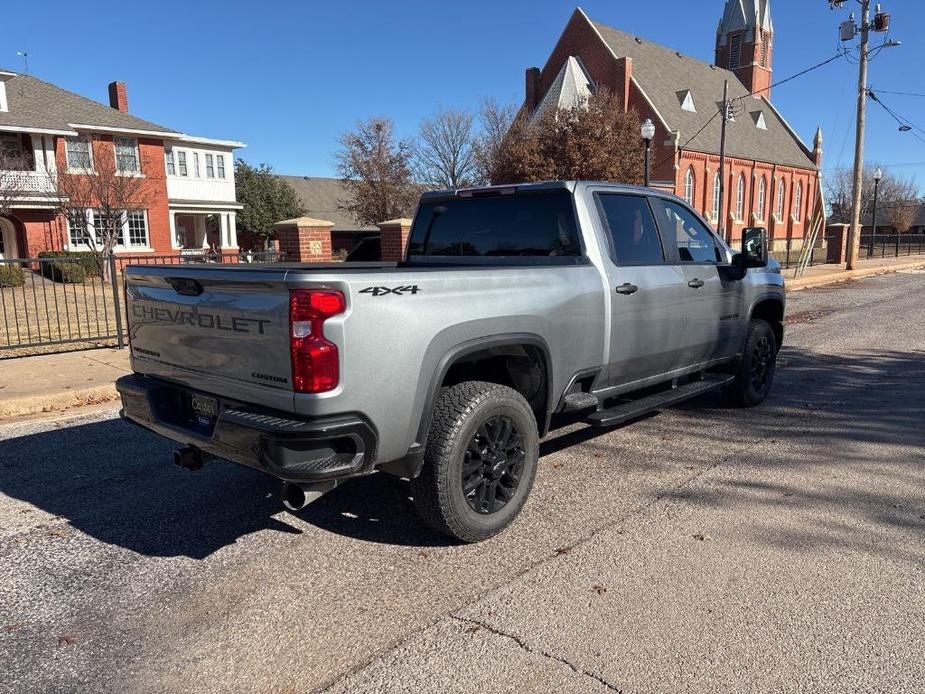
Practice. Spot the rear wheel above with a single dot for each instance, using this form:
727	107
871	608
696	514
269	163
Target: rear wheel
756	369
479	463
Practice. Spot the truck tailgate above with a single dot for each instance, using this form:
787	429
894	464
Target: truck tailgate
225	321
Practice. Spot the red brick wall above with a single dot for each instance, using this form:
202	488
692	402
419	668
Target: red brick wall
394	240
303	244
705	167
153	193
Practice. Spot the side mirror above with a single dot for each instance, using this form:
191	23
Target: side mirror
755	246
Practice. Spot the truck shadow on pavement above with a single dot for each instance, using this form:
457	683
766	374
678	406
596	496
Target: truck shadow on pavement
114	481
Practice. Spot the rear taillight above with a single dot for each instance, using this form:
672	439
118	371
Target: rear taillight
315	367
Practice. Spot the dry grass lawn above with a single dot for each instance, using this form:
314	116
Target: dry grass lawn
42	312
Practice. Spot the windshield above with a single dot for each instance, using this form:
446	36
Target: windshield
504	226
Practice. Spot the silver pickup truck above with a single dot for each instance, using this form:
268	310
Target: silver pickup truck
517	309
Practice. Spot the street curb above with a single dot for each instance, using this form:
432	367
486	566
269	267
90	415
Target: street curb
56	402
809	282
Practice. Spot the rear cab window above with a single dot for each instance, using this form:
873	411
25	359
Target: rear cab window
537	226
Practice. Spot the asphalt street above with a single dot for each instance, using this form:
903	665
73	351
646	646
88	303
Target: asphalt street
703	549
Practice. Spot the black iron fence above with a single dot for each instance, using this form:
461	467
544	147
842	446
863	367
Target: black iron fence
891	245
789	256
68	301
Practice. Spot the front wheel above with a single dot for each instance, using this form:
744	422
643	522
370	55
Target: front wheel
756	369
479	463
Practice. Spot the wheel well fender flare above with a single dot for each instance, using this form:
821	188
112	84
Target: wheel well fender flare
454	354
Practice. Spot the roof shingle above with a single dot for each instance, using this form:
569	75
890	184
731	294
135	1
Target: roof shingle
33	103
662	72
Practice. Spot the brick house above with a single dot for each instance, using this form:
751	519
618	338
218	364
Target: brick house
772	177
189	181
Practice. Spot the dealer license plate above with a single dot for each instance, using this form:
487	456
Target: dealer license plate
206	408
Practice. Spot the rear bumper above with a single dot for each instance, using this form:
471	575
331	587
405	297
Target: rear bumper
293	448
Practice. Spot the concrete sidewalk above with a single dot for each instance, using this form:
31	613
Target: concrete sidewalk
829	274
55	382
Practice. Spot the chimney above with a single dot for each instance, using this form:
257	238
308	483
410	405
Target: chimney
532	96
118	96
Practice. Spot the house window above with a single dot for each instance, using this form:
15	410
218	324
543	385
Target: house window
137	224
781	193
168	158
181	163
735	51
97	221
716	194
10	146
762	197
689	187
210	166
740	197
126	154
797	201
220	160
79	154
75	232
196	164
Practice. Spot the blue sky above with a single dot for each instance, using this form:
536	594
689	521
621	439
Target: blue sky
288	77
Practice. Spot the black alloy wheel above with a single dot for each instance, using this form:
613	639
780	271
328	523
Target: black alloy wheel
493	464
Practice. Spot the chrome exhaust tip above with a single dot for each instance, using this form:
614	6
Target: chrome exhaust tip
297	496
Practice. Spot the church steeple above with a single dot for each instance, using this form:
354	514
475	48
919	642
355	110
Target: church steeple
744	43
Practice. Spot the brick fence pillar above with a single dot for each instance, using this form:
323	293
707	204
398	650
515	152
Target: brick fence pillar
305	240
393	235
837	235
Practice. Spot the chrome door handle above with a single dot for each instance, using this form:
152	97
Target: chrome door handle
627	288
695	284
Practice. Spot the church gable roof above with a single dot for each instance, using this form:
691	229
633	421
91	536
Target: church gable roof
571	86
662	73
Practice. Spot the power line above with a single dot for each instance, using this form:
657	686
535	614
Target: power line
884	91
793	77
905	123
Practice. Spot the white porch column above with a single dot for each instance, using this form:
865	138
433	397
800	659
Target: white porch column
223	229
232	230
172	220
201	229
38	152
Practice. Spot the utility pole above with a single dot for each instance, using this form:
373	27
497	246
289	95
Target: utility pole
721	222
854	234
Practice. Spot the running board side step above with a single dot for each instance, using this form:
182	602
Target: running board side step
634	409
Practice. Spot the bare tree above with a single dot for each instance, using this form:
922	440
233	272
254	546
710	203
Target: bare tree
376	170
594	139
892	189
445	153
495	121
901	214
96	203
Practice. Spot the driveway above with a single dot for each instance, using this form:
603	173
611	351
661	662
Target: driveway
702	549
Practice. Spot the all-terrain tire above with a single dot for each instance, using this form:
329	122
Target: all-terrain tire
460	446
756	369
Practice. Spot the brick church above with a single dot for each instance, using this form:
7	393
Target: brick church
772	176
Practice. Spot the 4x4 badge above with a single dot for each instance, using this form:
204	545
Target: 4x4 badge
382	291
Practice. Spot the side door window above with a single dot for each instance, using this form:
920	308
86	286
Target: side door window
633	235
692	239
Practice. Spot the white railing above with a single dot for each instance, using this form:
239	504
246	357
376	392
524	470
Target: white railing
29	184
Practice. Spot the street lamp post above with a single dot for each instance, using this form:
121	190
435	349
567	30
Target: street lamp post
648	132
878	176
